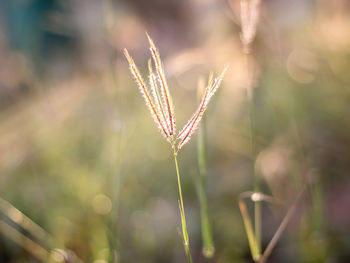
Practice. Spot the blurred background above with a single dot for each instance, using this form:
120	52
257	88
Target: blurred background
86	177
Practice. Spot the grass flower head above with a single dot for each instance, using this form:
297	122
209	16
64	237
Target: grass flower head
159	101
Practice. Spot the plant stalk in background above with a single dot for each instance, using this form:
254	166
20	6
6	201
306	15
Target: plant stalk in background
207	239
113	159
160	104
250	10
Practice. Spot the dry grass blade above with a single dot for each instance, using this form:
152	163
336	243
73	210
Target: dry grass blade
282	226
23	221
164	87
23	241
34	239
192	125
146	96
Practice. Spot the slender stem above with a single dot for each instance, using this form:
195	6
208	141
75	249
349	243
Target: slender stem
182	210
257	203
179	185
254	250
208	244
114	180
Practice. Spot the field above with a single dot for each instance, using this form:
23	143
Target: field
261	171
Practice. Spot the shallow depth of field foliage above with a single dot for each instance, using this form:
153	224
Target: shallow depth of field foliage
84	174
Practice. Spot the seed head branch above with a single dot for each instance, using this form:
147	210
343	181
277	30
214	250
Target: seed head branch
192	125
157	98
143	89
164	86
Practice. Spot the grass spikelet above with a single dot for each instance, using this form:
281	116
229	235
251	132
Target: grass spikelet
250	12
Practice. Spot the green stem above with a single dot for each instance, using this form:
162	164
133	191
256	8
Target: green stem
182	211
257	203
208	244
114	163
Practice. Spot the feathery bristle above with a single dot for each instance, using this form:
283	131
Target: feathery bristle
154	88
143	89
169	109
192	125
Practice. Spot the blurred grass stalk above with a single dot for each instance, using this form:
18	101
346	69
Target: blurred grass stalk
250	10
254	236
257	255
257	202
28	235
207	239
33	248
12	229
253	244
114	161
